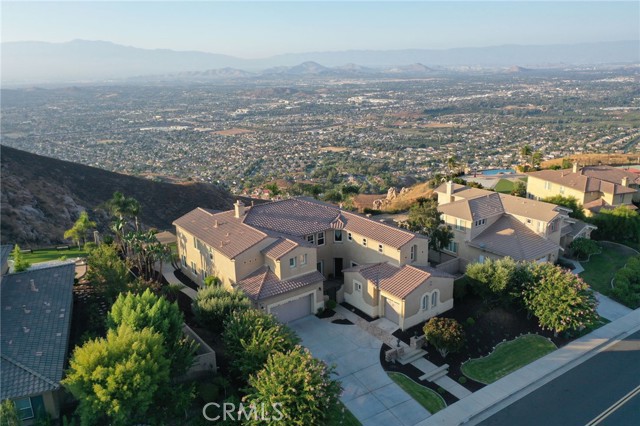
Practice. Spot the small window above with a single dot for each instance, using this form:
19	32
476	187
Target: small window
24	408
193	268
452	247
547	185
562	189
425	302
184	261
380	248
311	238
460	224
353	264
321	238
349	237
552	227
205	274
357	286
414	252
303	259
434	299
211	255
364	242
292	262
481	222
337	236
195	242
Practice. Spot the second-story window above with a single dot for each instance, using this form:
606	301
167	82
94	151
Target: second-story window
414	252
547	185
337	236
311	239
195	242
380	248
292	262
460	224
320	238
562	189
364	242
303	259
552	226
481	222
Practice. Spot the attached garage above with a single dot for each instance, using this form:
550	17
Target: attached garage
392	311
293	310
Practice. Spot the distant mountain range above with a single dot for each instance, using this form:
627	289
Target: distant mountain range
42	197
90	61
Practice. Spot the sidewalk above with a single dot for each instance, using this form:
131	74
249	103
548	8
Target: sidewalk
167	273
496	396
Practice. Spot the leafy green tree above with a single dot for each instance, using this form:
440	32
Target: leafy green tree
504	278
582	248
116	378
20	264
620	224
445	334
577	212
213	305
560	300
301	386
250	336
9	414
525	152
78	233
627	284
147	310
425	218
107	271
519	189
273	187
212	280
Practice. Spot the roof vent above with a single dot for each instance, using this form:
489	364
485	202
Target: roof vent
26	329
215	223
26	311
33	286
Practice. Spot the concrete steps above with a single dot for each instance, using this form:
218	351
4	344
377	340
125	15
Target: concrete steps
411	355
435	374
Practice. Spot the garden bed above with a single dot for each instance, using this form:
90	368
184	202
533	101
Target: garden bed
358	312
185	280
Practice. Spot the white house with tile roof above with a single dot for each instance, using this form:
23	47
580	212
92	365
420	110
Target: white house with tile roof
280	254
488	224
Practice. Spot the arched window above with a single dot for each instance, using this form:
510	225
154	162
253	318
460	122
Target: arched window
425	302
434	298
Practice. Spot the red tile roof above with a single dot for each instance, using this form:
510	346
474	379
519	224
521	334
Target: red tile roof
264	283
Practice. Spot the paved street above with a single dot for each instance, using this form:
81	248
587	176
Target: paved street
583	393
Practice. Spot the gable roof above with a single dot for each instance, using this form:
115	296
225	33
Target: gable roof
610	174
221	231
36	321
475	208
279	248
509	237
264	283
581	182
532	209
397	281
462	191
302	216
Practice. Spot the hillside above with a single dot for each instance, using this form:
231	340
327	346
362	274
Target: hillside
595	159
41	197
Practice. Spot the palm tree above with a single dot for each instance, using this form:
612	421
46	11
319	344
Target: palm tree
452	163
122	207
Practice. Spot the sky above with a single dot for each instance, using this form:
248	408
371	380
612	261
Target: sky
264	28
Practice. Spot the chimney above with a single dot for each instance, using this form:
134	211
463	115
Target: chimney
239	208
449	190
575	167
625	181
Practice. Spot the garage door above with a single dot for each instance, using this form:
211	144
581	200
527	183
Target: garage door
293	310
392	311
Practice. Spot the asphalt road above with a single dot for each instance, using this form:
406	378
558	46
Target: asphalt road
593	393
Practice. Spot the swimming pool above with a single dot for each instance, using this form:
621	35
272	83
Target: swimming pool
497	172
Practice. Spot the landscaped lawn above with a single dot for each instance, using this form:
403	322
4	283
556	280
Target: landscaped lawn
46	255
507	357
601	268
425	396
504	185
342	416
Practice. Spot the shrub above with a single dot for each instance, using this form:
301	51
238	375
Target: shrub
462	380
441	390
582	248
20	264
445	334
460	288
212	280
330	305
470	322
627	284
213	305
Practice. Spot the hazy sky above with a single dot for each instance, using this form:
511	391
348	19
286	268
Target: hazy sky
264	28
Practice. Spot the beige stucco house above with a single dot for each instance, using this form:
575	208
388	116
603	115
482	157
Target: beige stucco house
488	224
595	187
281	253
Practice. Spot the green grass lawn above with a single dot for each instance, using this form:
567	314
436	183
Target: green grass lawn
425	396
504	185
507	357
601	268
46	255
342	416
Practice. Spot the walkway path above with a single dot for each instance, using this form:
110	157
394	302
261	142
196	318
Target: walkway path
498	395
167	273
382	330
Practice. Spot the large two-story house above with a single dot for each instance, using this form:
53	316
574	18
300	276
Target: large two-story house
281	253
595	187
488	224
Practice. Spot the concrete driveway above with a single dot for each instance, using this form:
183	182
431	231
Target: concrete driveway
369	393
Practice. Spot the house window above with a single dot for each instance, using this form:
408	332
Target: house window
414	252
481	222
337	236
349	237
562	189
303	259
195	242
184	261
205	274
434	298
547	185
320	267
364	242
357	286
380	248
452	247
353	264
425	302
24	408
552	226
193	268
292	262
321	238
460	224
311	239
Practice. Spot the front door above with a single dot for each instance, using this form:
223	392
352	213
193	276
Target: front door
337	267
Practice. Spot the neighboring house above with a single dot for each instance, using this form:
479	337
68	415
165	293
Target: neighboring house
595	187
575	229
488	224
36	322
280	253
5	252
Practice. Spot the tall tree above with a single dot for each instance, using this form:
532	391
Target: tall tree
78	233
577	212
117	378
213	305
425	218
107	271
